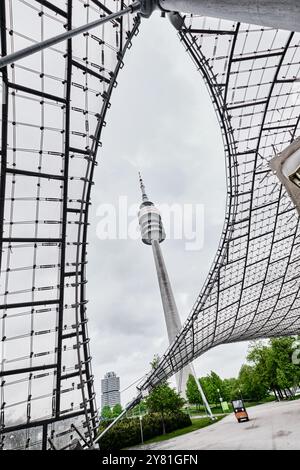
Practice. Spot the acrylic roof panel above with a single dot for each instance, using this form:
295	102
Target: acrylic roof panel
52	121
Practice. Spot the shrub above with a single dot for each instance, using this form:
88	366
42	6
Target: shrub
127	432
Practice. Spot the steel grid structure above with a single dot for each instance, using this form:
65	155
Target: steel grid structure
53	110
252	289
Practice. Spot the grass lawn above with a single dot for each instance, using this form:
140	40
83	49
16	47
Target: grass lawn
216	409
197	424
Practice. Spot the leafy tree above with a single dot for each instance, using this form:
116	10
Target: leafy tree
260	354
231	389
252	387
155	361
192	392
287	373
217	385
273	363
142	407
164	400
138	409
106	412
117	410
213	387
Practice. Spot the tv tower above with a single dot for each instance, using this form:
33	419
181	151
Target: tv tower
153	234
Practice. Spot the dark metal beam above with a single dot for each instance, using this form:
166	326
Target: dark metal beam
52	7
88	70
30	240
4	127
41	422
27	369
32	91
64	216
34	174
45	437
29	304
266	55
217	32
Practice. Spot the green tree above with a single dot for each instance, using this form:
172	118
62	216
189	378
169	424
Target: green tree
213	388
231	389
208	388
164	400
287	373
139	409
273	363
218	387
117	410
154	362
192	392
106	412
252	386
260	354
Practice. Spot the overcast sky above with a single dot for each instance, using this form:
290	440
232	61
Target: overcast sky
161	122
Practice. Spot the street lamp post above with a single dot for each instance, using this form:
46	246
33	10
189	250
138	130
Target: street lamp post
141	424
141	427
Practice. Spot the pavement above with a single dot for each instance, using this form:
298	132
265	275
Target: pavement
272	426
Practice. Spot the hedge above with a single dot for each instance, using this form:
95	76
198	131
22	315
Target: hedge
127	432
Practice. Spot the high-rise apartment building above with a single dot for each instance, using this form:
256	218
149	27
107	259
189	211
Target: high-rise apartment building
110	390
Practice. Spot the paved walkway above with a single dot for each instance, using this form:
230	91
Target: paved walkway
271	426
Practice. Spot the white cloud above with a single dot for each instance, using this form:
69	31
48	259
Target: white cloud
161	122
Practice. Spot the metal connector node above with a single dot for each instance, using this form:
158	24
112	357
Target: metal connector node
148	7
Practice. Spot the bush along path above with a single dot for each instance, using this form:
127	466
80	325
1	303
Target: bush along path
127	432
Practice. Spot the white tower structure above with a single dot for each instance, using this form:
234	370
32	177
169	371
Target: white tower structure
153	234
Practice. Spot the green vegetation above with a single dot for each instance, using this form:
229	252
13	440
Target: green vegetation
140	409
216	409
108	413
269	374
164	415
117	410
269	369
196	424
273	367
127	432
164	400
192	392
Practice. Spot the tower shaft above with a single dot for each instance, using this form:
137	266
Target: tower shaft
172	318
170	309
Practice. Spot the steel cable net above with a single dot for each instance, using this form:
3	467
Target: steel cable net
252	289
53	110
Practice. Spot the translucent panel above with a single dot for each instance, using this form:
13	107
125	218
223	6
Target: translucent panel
52	121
